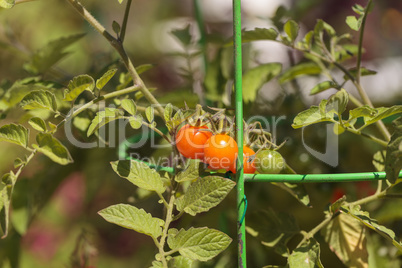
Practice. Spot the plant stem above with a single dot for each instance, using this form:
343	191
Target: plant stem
119	48
163	200
373	138
125	20
169	216
317	228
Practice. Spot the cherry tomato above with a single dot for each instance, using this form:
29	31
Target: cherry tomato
248	167
220	151
269	162
190	141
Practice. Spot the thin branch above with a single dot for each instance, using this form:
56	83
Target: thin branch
125	20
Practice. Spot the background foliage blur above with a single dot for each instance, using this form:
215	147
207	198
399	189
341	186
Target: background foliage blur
56	207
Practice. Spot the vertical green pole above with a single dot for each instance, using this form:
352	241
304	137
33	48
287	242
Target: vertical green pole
241	230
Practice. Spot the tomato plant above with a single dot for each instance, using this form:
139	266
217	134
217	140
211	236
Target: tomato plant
190	141
269	162
220	151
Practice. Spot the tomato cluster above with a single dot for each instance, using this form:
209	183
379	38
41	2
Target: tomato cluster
220	151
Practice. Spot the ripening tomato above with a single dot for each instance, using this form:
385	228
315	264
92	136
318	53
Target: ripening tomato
269	162
190	141
248	166
220	151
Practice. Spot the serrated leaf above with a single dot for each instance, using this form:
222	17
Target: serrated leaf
39	99
50	54
273	229
139	174
259	34
204	194
311	116
168	112
254	78
364	218
37	124
320	87
183	35
135	121
130	217
346	238
379	160
101	82
291	28
15	134
337	103
306	68
129	106
104	117
149	113
191	172
52	148
364	111
393	160
6	189
180	262
78	85
7	3
306	256
198	243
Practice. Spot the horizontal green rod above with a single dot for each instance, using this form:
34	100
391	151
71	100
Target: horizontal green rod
314	178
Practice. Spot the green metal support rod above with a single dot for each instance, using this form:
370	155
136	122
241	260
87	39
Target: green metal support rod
241	202
311	178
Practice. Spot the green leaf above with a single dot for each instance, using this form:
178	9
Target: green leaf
50	54
120	1
139	174
311	116
337	103
180	262
273	229
305	68
7	3
259	34
346	237
379	255
52	148
143	68
157	264
393	160
18	162
130	217
116	27
101	82
320	87
204	194
306	256
39	99
81	123
38	124
149	113
198	243
191	172
364	218
363	72
254	78
6	188
78	85
363	111
129	106
354	23
383	112
104	117
135	121
15	134
291	28
183	35
168	112
379	160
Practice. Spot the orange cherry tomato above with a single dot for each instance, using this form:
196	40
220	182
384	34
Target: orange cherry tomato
220	151
190	141
248	166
